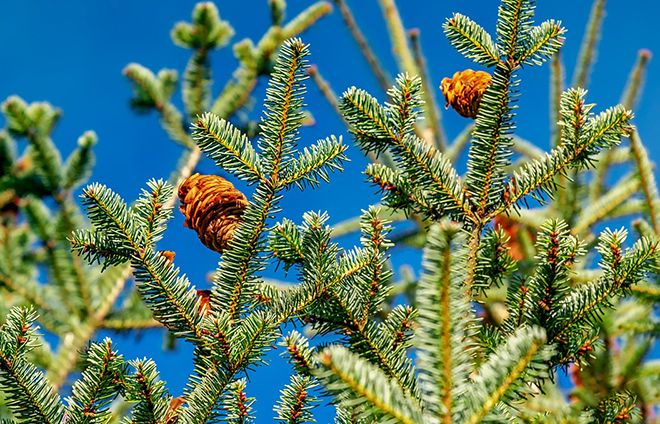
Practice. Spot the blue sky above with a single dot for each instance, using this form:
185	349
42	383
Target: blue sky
72	53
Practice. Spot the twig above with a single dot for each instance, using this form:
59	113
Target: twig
402	52
647	180
325	89
629	98
363	44
589	44
433	118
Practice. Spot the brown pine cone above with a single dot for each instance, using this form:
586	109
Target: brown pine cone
464	90
204	297
173	411
515	232
212	207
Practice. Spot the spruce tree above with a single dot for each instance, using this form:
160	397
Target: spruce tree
514	287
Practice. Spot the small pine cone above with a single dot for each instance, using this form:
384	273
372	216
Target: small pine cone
173	411
212	207
464	90
204	297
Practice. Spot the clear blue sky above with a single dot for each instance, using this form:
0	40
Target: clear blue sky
72	53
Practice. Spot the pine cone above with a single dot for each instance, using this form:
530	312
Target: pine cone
464	90
212	207
173	411
204	297
515	232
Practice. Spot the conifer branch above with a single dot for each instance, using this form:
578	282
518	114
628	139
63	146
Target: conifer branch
79	164
557	253
629	100
305	19
402	51
35	122
154	91
444	325
301	299
583	137
282	119
491	147
585	304
400	194
471	40
632	92
197	83
300	354
172	298
589	45
30	395
646	179
498	379
314	163
283	115
57	256
36	296
376	128
365	386
228	147
205	33
557	77
543	42
237	406
513	26
363	44
296	402
494	261
604	206
205	395
495	369
68	352
431	111
285	241
100	383
65	224
353	224
330	96
369	341
119	324
144	388
151	211
253	58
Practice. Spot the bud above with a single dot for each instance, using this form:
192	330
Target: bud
212	207
464	90
168	254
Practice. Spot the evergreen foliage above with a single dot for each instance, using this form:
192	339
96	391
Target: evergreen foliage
508	296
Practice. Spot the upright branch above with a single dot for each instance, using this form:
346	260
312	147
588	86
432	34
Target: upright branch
363	44
589	45
276	167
